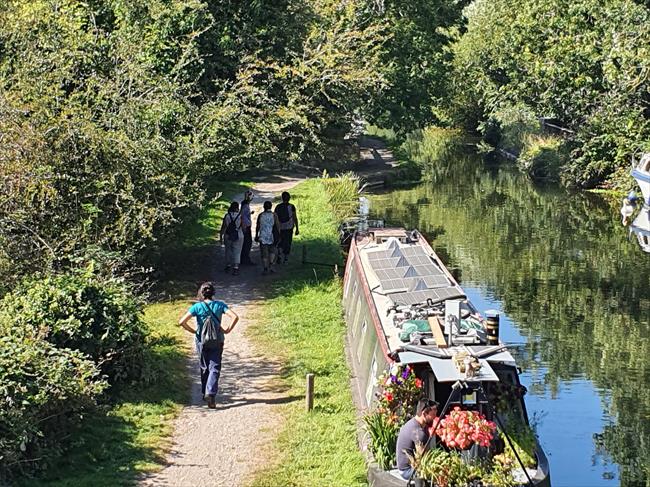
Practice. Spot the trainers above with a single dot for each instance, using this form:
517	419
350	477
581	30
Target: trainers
212	403
235	271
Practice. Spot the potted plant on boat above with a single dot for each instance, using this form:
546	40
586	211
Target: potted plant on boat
399	390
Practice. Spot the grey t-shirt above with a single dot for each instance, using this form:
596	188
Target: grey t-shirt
409	435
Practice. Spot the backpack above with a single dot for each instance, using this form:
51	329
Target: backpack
232	230
285	212
210	336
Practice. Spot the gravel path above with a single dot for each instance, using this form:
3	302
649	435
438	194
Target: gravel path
225	446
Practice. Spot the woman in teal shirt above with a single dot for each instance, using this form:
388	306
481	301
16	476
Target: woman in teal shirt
210	360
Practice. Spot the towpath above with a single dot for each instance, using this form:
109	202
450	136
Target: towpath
226	446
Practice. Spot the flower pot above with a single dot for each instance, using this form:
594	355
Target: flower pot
471	454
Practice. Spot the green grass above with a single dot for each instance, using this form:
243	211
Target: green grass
119	442
302	323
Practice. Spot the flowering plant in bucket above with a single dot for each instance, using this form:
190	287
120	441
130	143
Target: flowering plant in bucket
397	395
461	429
399	390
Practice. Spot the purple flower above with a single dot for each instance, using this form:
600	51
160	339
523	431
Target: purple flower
393	379
405	374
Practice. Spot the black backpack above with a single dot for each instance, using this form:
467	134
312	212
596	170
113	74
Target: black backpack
210	336
231	230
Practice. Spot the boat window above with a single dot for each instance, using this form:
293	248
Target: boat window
469	398
354	290
357	312
352	279
354	298
371	378
646	168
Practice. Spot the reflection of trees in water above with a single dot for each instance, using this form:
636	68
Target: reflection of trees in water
562	268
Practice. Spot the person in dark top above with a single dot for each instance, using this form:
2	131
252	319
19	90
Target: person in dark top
246	226
210	360
288	221
414	431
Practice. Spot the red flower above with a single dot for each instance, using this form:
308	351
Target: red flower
418	383
388	396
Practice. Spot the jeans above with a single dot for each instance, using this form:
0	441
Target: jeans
233	250
246	247
210	363
286	236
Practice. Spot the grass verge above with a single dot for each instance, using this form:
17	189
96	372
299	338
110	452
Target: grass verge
119	442
303	325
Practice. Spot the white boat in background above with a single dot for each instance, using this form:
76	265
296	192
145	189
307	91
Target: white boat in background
641	224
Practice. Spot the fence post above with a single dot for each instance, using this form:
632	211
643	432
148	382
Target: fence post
309	397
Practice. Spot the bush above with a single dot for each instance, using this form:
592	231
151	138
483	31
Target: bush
43	390
431	146
80	310
542	157
517	124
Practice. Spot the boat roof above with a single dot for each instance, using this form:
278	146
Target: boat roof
405	271
407	274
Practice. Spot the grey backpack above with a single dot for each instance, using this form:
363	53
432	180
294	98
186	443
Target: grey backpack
210	336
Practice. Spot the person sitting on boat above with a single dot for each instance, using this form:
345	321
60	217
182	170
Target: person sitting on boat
414	431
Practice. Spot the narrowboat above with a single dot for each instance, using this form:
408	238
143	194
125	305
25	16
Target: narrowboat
403	307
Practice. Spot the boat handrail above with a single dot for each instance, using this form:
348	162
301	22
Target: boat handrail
439	354
425	351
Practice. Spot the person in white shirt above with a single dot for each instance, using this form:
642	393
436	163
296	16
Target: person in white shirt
267	233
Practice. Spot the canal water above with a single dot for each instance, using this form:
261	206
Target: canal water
575	300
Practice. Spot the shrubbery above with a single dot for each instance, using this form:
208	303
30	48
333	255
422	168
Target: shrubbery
65	339
542	157
43	390
80	310
582	63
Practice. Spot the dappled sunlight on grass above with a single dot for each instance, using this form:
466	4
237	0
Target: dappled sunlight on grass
302	323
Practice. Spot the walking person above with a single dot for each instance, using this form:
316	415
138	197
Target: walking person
232	237
247	228
210	353
267	233
288	219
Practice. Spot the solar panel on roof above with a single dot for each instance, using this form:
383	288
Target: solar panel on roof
394	285
408	275
392	243
419	285
428	270
402	262
436	281
411	272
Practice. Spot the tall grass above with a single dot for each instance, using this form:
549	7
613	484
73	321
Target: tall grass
302	323
432	145
342	194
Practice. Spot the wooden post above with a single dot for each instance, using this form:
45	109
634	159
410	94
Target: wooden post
309	397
